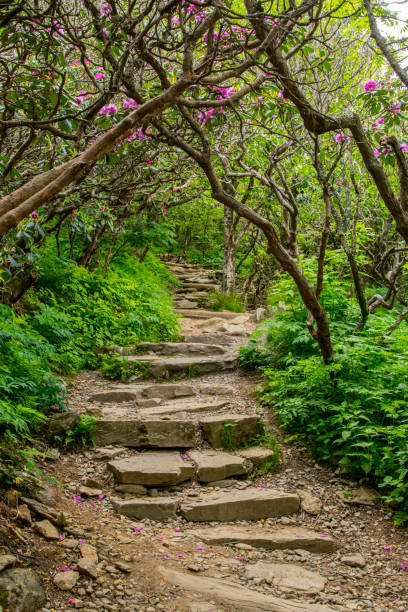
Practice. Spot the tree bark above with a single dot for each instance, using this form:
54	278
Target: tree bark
228	268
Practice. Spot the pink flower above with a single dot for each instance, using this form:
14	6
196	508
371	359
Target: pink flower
339	182
386	150
280	93
34	215
370	85
387	547
105	31
176	529
71	601
61	538
175	21
164	211
108	109
100	497
340	137
180	556
159	539
380	120
184	456
77	498
81	542
377	152
130	103
395	108
226	92
403	566
240	558
74	567
148	162
75	62
105	9
99	76
73	216
404	147
64	568
199	548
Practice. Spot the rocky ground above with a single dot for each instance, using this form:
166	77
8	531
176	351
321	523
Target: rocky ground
214	533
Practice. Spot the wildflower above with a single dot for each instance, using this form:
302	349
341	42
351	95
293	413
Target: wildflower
99	76
75	62
81	542
199	548
100	497
280	93
73	216
71	601
240	558
339	182
180	556
61	538
130	103
370	85
74	567
387	547
226	92
159	539
164	211
386	150
34	215
176	529
404	147
377	152
380	120
340	137
105	31
105	9
148	162
108	109
77	498
403	566
395	108
64	568
175	21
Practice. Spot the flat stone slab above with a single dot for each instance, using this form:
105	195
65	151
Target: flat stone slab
233	594
108	453
160	367
191	285
256	454
156	508
288	538
216	390
229	430
144	433
189	407
240	505
214	465
200	313
287	577
361	496
133	393
152	469
181	348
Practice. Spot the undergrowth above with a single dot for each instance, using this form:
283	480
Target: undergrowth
352	412
226	301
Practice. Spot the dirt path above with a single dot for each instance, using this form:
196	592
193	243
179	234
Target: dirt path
193	528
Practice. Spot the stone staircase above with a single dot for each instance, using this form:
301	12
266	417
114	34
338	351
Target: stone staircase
180	446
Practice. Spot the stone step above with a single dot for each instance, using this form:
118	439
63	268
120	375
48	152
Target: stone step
287	577
164	367
214	338
129	426
136	432
232	594
201	313
132	393
189	407
285	538
216	325
240	505
214	465
154	508
229	430
190	285
152	469
185	304
181	348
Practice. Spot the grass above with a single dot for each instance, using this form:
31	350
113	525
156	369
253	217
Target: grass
226	301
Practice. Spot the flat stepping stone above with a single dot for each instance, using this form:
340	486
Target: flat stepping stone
181	348
235	595
214	465
229	430
240	505
161	367
287	577
213	339
134	393
216	390
200	313
188	407
257	454
288	538
155	508
152	469
193	285
144	433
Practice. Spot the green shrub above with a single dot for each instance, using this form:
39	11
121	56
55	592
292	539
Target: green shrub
117	367
82	433
226	301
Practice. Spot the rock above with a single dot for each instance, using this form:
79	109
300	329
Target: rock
229	430
7	561
161	468
188	407
238	505
181	348
149	402
47	530
61	422
288	538
287	577
115	395
215	465
87	567
168	390
257	454
361	496
105	454
92	483
310	503
56	517
124	567
157	508
21	591
69	543
24	514
53	454
234	595
224	483
47	495
12	497
136	432
66	580
355	560
89	492
89	552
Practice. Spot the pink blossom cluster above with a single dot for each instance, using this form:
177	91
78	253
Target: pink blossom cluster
394	108
378	122
205	116
370	85
130	103
108	109
105	9
340	137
